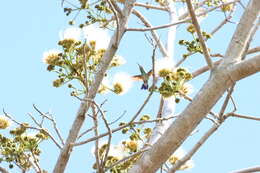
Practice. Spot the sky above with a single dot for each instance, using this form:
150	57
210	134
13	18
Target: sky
28	28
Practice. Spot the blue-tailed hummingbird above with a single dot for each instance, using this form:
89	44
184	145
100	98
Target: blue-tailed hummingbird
143	77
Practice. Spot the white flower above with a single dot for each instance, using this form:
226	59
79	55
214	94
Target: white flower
100	36
122	82
4	122
117	61
117	151
163	64
70	33
50	56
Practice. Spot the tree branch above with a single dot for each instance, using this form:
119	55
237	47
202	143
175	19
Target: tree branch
220	80
201	39
3	170
80	116
248	170
149	6
195	148
242	34
154	34
243	116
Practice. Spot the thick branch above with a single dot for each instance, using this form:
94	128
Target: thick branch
254	50
220	80
3	170
241	36
248	170
80	117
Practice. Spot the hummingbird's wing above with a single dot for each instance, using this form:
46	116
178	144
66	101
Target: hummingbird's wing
137	77
141	70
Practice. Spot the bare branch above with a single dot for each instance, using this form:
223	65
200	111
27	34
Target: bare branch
149	6
3	170
95	122
154	34
243	116
254	50
242	34
224	106
195	148
220	80
119	128
85	132
178	22
104	64
248	170
54	124
157	27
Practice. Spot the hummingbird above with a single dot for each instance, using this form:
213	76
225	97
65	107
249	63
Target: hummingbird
143	76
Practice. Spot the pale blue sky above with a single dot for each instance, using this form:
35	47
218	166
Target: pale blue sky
28	28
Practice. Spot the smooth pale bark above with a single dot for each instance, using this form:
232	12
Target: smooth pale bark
168	105
84	106
220	80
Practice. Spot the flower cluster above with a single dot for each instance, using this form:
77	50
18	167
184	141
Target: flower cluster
194	45
125	148
137	135
79	60
96	12
174	83
22	149
4	122
116	153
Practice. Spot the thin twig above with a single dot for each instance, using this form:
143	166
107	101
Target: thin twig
112	122
154	34
109	135
194	149
86	131
54	124
149	6
224	106
36	163
122	127
243	116
179	22
95	121
34	128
